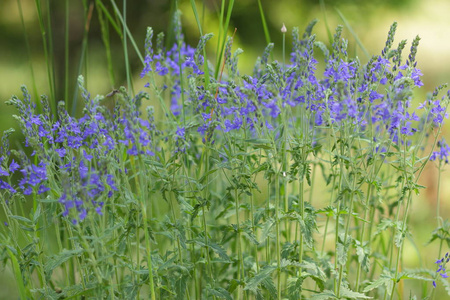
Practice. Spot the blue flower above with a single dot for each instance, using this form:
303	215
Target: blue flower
441	267
443	153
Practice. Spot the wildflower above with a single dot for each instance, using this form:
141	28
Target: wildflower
443	153
441	267
180	139
6	186
61	152
110	182
33	176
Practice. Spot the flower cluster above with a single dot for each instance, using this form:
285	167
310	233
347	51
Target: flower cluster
443	153
376	96
441	267
82	152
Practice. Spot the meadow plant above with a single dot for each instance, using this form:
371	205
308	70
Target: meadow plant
288	183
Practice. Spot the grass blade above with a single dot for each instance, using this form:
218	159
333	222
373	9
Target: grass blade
264	24
197	19
47	52
105	37
109	17
125	48
205	65
27	44
66	54
224	38
324	12
24	293
129	35
83	60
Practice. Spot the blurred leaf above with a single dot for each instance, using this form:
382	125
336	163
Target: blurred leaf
220	293
348	294
24	292
325	295
266	228
254	282
58	259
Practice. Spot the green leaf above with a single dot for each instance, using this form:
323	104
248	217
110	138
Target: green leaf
325	295
400	234
75	291
220	293
48	200
266	228
385	279
307	226
329	211
270	286
205	176
37	214
213	246
445	283
248	233
363	255
254	282
259	143
219	251
383	225
320	281
24	293
409	275
313	269
294	288
180	286
184	205
346	293
342	249
58	259
23	219
289	263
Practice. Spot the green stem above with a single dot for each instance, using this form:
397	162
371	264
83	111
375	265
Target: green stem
252	220
347	227
278	239
148	251
27	44
66	55
302	214
400	250
125	48
363	229
90	251
238	244
325	233
46	42
438	196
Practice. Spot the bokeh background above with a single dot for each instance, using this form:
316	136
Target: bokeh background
22	55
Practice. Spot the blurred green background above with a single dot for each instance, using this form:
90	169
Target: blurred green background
22	54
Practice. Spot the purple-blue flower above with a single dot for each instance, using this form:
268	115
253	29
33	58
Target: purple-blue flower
441	267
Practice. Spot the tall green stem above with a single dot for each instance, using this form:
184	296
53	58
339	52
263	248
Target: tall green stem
277	228
347	227
238	242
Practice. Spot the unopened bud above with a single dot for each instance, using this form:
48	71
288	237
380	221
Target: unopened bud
283	29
